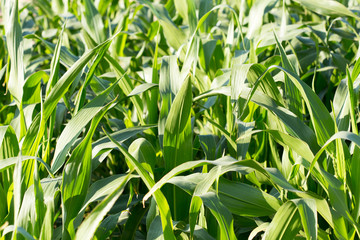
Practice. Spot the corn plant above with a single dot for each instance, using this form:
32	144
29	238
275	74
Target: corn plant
196	119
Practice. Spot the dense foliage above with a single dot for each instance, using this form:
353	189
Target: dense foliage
197	119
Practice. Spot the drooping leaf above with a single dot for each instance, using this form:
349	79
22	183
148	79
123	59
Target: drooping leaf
328	8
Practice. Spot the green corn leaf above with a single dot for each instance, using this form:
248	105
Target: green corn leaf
29	212
18	194
64	82
295	125
20	230
168	88
322	206
88	227
9	143
353	99
54	96
328	8
5	163
126	86
339	135
105	144
307	211
177	128
82	92
155	230
292	94
104	187
45	7
261	228
137	213
51	191
92	22
15	47
320	117
174	35
221	213
74	192
203	187
224	132
77	123
40	206
143	151
354	169
256	13
285	224
142	88
164	209
223	82
208	145
31	88
254	203
55	64
224	161
243	144
177	143
107	226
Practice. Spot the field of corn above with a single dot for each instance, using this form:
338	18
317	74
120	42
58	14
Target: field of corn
179	119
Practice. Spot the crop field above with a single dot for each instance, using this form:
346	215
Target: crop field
179	119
